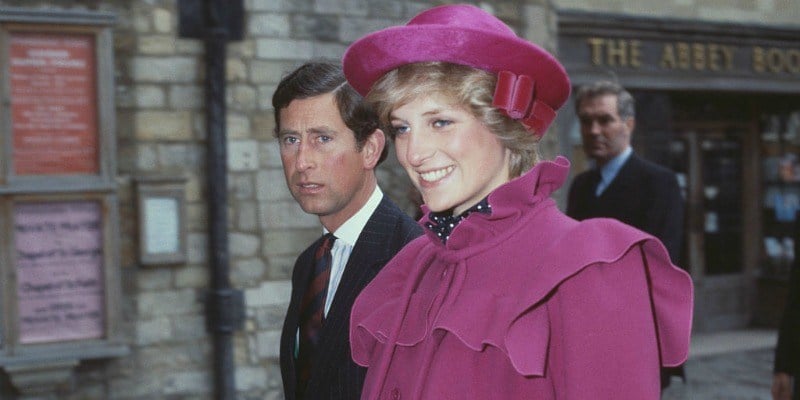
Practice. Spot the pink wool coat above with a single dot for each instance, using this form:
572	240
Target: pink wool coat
524	303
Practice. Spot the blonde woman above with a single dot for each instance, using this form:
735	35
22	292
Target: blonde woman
504	297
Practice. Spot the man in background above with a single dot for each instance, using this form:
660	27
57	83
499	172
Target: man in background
622	185
330	145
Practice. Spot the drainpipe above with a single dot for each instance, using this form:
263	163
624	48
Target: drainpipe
224	305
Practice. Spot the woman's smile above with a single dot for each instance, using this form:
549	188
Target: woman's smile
450	155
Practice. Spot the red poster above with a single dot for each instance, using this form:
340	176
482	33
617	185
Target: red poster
53	104
59	264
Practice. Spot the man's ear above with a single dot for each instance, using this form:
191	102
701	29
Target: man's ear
373	147
630	123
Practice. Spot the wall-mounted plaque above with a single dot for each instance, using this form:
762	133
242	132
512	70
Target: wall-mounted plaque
162	220
59	266
53	103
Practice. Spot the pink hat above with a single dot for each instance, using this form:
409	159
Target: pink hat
531	83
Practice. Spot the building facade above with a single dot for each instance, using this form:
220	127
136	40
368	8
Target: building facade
106	209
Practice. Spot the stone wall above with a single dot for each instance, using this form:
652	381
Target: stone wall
160	131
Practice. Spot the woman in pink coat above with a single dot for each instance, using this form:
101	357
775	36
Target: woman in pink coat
505	297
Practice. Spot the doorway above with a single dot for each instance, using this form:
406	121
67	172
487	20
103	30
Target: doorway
709	159
711	141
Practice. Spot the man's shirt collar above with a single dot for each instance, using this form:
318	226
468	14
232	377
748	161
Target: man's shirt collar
611	169
351	229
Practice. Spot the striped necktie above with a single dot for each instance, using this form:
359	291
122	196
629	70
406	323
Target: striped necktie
312	308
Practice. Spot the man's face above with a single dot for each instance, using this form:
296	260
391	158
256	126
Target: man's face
325	172
605	135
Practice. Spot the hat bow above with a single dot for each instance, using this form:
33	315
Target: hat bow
516	96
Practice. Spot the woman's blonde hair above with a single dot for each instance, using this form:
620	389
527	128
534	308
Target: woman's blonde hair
471	88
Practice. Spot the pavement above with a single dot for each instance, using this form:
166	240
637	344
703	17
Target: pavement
729	365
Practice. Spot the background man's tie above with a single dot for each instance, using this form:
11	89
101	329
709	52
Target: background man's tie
311	311
597	181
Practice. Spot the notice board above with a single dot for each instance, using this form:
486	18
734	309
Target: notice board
53	103
59	214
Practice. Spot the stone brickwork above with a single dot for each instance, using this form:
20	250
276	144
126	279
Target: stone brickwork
160	123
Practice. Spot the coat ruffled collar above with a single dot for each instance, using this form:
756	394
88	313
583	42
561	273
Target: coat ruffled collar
480	230
504	264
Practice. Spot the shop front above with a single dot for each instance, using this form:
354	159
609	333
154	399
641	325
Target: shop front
720	105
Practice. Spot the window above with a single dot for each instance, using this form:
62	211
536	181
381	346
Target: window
780	177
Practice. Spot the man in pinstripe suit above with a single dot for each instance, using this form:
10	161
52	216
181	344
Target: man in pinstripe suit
330	145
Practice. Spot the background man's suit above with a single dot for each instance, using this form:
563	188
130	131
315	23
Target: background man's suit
335	375
643	194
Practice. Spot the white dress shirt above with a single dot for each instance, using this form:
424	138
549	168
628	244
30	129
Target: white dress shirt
346	237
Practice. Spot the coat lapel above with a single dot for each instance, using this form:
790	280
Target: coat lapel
371	252
302	274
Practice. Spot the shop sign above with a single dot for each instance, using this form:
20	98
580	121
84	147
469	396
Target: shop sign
678	53
691	56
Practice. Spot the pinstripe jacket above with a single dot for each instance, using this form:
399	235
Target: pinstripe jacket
335	375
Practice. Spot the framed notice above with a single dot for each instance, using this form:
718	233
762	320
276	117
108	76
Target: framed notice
52	83
162	220
59	265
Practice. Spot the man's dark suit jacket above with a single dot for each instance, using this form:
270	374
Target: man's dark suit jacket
787	352
334	374
643	194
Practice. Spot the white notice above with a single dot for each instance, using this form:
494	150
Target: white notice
161	225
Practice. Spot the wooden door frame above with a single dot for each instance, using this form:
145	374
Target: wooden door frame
708	288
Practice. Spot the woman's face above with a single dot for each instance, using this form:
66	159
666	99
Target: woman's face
451	157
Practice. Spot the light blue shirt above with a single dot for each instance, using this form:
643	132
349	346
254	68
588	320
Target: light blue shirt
609	171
